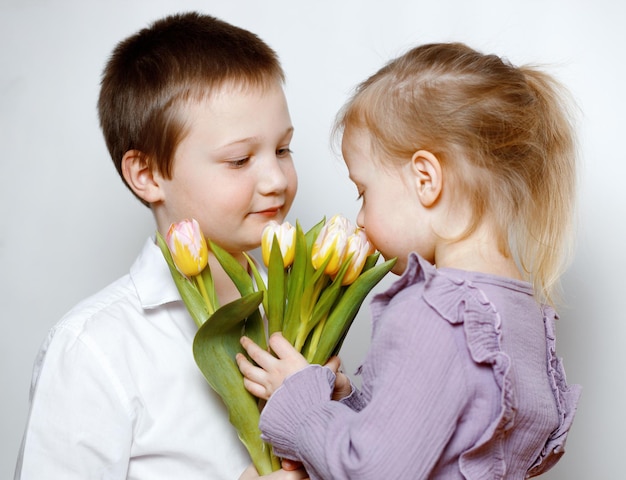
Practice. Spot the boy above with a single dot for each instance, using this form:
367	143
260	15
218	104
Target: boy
195	119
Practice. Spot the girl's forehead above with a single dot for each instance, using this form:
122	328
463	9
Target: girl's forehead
356	136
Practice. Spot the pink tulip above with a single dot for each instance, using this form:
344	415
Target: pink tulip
188	247
360	248
331	244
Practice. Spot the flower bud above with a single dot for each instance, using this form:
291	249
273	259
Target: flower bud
331	244
285	233
188	247
360	248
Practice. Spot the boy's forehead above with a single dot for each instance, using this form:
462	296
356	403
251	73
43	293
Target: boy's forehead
234	89
233	112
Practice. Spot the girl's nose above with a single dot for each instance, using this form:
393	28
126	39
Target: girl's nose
360	219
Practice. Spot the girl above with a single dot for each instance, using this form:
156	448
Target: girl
465	167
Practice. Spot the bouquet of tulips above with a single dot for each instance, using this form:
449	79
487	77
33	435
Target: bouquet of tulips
316	282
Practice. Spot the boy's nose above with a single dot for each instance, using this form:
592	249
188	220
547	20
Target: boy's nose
274	175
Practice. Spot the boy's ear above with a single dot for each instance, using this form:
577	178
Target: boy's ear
140	177
426	170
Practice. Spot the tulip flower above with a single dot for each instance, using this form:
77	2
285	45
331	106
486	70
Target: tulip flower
330	245
285	233
358	249
188	247
190	255
316	282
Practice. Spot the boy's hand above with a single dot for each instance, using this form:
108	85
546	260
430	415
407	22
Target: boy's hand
250	473
264	380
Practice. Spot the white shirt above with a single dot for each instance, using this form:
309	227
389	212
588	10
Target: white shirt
116	392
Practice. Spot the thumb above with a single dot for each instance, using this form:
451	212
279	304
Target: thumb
334	363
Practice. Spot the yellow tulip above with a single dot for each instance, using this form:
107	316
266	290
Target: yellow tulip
188	247
360	248
331	244
285	233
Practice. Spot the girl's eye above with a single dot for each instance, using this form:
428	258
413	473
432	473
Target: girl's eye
359	196
283	152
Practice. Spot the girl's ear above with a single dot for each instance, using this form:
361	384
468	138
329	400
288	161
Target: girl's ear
427	172
140	177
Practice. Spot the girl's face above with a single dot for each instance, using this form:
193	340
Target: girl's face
233	171
391	213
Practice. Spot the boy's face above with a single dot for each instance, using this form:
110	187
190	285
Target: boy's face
233	172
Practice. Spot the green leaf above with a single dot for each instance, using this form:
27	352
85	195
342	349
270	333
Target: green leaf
370	261
260	283
342	316
310	237
329	295
328	299
313	232
205	281
214	348
237	273
296	279
275	289
188	290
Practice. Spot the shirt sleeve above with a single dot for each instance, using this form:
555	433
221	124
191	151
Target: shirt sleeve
415	404
80	419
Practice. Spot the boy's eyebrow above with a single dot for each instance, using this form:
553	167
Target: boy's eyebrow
255	139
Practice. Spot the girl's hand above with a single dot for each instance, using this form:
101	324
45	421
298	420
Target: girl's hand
343	387
250	473
264	380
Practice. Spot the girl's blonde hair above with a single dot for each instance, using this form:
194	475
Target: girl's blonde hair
502	133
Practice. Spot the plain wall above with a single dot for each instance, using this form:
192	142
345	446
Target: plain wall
69	226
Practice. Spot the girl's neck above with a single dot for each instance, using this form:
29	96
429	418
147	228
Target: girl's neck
479	253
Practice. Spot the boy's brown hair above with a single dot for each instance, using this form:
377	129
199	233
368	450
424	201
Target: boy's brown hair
180	58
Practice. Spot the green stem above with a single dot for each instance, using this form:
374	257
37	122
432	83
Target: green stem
315	339
205	295
275	460
301	337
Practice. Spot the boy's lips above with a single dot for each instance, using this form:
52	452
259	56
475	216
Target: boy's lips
269	212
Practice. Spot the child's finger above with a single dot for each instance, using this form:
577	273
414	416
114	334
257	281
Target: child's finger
256	389
282	348
334	363
243	364
256	353
249	370
254	378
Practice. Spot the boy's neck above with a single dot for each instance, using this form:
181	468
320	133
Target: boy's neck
224	286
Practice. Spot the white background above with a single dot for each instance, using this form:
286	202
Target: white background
69	226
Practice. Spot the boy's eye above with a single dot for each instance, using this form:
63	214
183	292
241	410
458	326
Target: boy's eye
240	162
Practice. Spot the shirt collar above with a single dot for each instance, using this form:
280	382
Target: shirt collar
152	278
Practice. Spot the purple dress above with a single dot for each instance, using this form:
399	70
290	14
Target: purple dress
461	382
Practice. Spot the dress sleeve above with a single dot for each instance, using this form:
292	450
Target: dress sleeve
407	396
355	400
80	417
